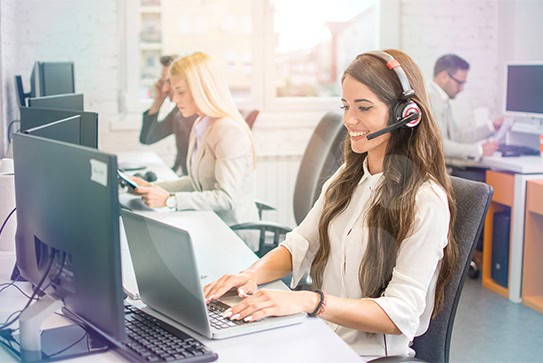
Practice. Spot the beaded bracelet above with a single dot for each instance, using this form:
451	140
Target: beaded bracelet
319	305
323	305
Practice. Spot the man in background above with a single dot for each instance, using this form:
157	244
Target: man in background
153	130
464	140
459	141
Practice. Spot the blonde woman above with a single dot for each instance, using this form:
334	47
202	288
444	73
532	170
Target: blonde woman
221	154
378	243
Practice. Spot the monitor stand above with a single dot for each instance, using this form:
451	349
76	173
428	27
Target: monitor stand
53	344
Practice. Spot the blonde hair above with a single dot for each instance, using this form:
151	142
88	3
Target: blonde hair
209	89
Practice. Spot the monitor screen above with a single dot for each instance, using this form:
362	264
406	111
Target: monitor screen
33	117
68	218
59	102
66	130
524	90
52	78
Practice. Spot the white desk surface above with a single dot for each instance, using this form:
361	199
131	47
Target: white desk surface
148	158
218	250
518	164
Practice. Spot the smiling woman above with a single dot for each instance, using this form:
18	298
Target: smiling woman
378	242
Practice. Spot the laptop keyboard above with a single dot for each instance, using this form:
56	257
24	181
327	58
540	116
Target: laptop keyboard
217	320
156	341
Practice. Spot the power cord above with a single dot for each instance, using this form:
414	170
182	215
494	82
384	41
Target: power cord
6	285
37	289
6	220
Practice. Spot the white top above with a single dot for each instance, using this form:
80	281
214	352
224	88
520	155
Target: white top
409	297
461	140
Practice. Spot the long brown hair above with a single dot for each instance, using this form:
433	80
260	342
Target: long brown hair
413	157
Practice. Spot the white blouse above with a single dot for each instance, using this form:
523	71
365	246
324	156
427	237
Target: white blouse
409	297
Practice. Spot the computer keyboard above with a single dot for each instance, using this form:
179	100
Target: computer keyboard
516	150
156	341
217	320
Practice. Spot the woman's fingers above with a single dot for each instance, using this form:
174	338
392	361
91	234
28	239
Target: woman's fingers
247	289
221	286
261	304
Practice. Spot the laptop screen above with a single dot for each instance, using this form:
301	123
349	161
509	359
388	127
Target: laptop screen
166	270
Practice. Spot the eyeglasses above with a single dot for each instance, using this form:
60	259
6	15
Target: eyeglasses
460	83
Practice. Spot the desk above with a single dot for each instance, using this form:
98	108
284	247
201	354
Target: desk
149	159
520	164
310	341
213	241
508	177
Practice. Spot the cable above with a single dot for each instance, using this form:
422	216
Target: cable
69	346
9	129
35	292
7	219
51	281
12	284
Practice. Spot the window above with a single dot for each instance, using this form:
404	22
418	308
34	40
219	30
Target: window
275	54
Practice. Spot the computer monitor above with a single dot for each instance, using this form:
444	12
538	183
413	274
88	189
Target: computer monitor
33	117
65	130
52	78
524	90
59	102
68	231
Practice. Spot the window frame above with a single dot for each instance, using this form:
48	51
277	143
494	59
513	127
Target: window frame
263	89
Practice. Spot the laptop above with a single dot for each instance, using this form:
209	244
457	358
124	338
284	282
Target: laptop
169	282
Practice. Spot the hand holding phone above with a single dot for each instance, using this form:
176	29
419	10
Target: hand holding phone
124	180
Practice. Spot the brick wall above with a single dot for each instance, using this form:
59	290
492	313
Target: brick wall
7	63
431	28
54	31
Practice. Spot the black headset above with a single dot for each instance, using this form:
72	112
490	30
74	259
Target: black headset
406	112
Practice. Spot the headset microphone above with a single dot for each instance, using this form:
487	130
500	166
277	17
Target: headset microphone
410	118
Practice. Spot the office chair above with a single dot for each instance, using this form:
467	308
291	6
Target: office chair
472	201
322	156
250	116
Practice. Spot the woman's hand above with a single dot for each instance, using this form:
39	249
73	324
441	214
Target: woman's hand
264	303
242	281
152	195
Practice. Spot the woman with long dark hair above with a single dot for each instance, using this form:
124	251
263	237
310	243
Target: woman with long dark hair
378	244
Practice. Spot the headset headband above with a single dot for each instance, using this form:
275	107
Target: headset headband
394	65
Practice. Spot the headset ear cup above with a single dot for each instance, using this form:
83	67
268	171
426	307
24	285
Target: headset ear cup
410	108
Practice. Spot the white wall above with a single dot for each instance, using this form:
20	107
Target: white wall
485	32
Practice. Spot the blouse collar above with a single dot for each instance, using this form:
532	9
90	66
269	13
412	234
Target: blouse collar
371	178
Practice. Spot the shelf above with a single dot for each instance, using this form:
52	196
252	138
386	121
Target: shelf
534	302
150	9
151	46
503	197
532	284
498	289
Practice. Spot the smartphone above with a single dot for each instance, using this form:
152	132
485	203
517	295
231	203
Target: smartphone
124	180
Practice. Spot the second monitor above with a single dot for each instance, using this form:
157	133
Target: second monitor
69	101
32	117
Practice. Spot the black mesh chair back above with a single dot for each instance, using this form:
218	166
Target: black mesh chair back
322	157
472	201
